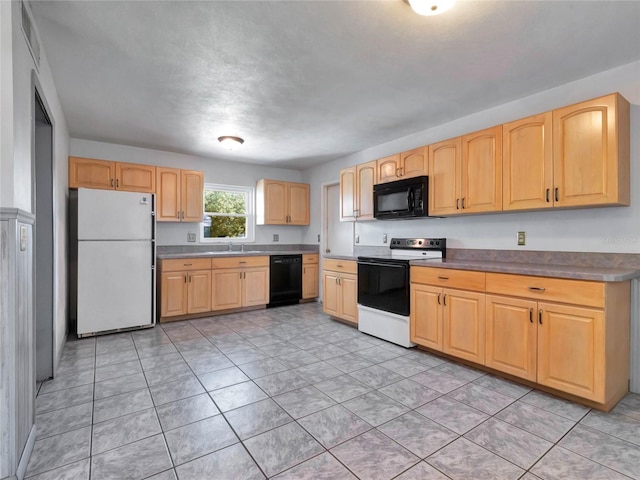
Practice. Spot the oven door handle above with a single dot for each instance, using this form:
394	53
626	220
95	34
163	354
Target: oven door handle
376	264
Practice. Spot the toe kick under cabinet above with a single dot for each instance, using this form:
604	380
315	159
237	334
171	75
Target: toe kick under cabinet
570	337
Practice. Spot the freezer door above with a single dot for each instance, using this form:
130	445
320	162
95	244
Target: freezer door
115	285
114	215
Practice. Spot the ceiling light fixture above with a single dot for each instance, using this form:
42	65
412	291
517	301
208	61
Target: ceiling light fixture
431	7
230	142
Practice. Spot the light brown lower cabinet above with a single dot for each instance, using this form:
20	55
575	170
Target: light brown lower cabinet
185	286
340	289
571	336
310	271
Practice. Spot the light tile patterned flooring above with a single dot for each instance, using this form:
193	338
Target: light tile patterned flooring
290	394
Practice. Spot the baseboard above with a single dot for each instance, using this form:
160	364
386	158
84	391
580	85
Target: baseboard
26	454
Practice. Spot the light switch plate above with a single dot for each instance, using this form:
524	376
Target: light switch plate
276	237
384	238
318	238
521	238
191	237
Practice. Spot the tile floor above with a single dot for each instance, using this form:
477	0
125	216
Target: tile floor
290	394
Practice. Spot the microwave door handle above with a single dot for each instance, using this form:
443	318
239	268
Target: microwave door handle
410	200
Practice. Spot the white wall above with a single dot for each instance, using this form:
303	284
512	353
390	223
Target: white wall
614	229
215	171
17	155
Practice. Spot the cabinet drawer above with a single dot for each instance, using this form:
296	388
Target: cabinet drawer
235	262
180	264
577	292
347	266
445	277
310	258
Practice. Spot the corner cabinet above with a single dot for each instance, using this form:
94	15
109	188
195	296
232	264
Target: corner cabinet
282	203
340	289
592	153
180	195
108	175
356	192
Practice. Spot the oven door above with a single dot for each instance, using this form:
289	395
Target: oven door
384	286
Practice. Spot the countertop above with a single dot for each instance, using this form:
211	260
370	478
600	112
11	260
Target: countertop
597	274
235	253
538	270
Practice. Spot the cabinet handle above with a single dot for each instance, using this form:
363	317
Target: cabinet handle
463	203
178	215
117	182
547	195
445	299
339	266
531	315
443	278
185	279
556	194
439	299
242	262
457	204
339	280
112	182
304	270
240	275
540	317
537	289
187	264
189	278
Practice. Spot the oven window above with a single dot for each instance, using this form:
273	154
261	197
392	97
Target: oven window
385	287
393	202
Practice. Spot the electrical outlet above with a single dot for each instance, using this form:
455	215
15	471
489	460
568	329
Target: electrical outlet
384	238
357	238
276	237
318	238
191	237
521	238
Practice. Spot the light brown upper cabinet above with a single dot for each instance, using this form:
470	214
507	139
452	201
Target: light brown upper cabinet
179	195
466	174
107	175
412	163
527	163
282	203
356	192
591	153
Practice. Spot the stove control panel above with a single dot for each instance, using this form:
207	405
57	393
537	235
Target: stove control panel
439	244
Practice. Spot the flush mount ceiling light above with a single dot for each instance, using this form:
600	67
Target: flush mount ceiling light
431	7
230	142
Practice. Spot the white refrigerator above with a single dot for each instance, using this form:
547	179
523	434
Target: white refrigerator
115	260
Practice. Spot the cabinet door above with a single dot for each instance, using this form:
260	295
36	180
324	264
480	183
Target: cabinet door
349	297
298	203
426	316
527	163
192	195
365	180
199	286
591	153
255	288
444	180
132	177
464	324
330	294
482	171
226	288
90	173
389	168
309	281
511	335
348	194
571	350
275	202
414	163
168	194
173	301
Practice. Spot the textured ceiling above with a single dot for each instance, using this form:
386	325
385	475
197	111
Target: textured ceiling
304	82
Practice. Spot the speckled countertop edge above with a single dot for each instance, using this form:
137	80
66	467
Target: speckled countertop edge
249	253
537	270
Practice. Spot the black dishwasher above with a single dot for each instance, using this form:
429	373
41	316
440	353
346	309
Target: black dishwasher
285	280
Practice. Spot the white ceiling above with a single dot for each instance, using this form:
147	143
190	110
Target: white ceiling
304	82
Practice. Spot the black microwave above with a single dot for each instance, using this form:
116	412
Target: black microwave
402	199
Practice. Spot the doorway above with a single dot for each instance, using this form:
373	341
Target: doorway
338	236
43	233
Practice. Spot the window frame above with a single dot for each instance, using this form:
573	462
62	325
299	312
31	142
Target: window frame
250	213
